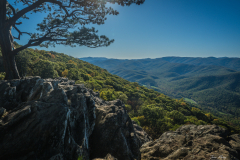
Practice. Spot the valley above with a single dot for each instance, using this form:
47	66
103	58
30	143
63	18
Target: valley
213	83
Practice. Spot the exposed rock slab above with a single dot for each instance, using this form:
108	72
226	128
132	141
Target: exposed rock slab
108	157
53	119
114	132
46	119
2	111
191	142
141	134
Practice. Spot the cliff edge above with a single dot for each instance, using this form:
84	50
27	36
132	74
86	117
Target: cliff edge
57	120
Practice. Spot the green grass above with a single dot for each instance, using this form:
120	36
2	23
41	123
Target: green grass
154	87
190	100
223	113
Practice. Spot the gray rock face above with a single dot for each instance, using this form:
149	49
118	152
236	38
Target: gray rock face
191	142
108	157
141	134
114	132
54	119
2	111
46	119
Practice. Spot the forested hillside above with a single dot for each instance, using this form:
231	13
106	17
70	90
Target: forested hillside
212	86
233	63
154	111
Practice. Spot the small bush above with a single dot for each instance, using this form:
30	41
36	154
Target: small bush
2	75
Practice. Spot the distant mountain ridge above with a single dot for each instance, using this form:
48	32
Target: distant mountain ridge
92	59
228	62
232	63
212	82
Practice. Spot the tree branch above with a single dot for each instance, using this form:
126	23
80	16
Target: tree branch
20	33
32	6
12	8
19	14
18	23
29	44
56	30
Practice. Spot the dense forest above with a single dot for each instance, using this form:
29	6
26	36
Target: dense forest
206	82
152	110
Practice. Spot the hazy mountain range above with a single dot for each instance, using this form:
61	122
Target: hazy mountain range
211	82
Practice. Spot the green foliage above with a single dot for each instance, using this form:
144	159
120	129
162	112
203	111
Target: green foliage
74	74
108	95
2	75
199	114
175	127
65	73
45	69
194	120
190	101
70	65
128	107
210	86
80	158
123	97
136	120
177	117
154	111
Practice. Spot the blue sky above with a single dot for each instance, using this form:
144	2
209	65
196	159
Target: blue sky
159	28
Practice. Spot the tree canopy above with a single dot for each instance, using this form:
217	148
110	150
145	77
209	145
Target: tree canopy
154	111
64	24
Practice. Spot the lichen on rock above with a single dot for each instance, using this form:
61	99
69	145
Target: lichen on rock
192	142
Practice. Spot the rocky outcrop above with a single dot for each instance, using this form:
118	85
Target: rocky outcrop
114	132
191	142
2	111
45	119
141	134
54	119
108	157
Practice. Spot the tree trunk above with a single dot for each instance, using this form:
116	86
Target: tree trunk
6	43
8	58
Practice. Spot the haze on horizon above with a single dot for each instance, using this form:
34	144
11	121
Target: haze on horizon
161	28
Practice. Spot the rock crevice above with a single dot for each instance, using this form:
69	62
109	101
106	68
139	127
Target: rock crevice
58	120
192	142
55	119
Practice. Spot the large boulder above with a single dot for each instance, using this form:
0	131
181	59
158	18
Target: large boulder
141	134
114	132
54	119
191	142
45	119
108	157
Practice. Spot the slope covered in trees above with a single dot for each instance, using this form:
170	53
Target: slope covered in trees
209	83
154	111
63	23
233	63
